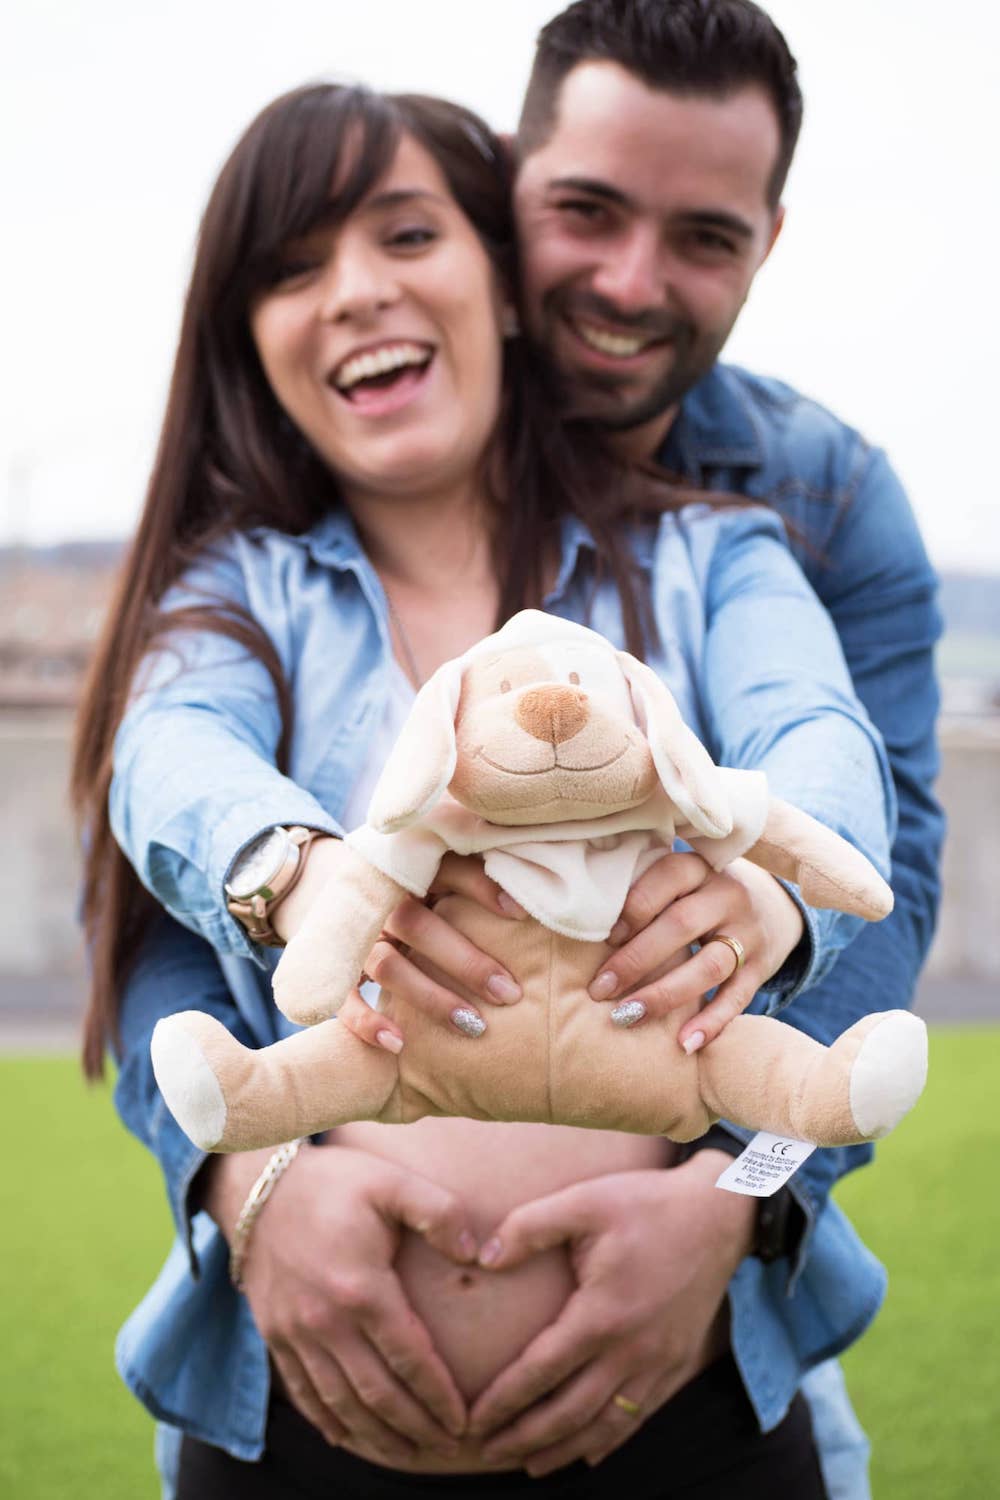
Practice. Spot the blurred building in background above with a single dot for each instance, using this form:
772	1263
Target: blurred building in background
52	602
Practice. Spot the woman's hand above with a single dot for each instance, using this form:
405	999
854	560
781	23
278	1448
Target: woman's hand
417	926
350	1351
679	901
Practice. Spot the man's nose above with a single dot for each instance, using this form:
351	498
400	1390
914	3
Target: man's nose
632	275
552	713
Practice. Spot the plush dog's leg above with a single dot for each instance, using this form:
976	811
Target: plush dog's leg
323	961
765	1075
828	870
227	1097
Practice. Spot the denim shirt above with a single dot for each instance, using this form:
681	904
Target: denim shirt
852	529
756	668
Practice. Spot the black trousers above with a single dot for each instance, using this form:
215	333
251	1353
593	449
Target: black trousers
704	1444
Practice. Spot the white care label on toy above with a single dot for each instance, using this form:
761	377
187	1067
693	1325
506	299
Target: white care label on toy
765	1165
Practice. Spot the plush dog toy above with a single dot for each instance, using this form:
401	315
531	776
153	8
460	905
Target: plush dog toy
566	765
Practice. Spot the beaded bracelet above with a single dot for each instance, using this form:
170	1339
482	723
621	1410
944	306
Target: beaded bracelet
258	1195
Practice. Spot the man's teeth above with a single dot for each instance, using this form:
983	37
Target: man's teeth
379	362
616	344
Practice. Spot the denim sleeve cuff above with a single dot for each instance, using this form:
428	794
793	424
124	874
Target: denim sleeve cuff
802	967
240	826
804	1222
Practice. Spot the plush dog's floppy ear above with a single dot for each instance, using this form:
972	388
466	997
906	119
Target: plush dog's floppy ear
687	772
422	761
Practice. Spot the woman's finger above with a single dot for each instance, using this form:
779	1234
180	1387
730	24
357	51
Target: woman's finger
708	969
457	959
464	875
731	1001
396	972
368	1025
716	904
666	881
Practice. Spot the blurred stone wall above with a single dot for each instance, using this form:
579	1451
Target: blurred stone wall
39	872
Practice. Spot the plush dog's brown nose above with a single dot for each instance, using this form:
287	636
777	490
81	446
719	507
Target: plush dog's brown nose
553	713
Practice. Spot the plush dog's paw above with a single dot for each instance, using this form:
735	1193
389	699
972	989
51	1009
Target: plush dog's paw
888	1073
186	1079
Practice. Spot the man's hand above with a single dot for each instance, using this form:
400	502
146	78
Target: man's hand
679	901
350	1351
653	1254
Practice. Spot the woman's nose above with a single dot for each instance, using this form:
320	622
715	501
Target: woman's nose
355	285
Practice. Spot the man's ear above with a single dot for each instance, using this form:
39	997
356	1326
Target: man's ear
776	228
687	772
422	761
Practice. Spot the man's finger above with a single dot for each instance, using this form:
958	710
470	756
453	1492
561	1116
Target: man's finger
328	1378
609	1428
407	1198
564	1414
379	1391
558	1352
539	1225
300	1392
404	1344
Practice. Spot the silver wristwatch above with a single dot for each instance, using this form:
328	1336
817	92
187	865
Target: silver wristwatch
263	874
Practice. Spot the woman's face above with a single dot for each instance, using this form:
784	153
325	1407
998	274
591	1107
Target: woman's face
382	339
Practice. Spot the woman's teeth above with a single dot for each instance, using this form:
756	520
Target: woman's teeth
379	362
616	344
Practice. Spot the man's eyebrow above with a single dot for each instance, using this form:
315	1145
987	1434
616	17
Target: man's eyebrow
718	218
594	187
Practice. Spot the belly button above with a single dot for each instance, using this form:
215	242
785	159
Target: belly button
466	1278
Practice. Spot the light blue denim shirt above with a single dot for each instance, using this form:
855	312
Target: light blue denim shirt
757	671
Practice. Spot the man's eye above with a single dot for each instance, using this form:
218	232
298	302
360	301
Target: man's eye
710	242
583	210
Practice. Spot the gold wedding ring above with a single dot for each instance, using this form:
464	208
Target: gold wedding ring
631	1407
732	943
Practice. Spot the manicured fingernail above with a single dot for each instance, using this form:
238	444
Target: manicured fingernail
604	986
390	1041
502	988
628	1013
694	1042
618	933
490	1252
467	1021
510	907
468	1245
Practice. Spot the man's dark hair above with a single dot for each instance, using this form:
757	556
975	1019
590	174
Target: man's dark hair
684	46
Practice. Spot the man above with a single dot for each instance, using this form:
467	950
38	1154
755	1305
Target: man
653	147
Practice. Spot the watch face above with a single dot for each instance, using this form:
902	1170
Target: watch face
257	865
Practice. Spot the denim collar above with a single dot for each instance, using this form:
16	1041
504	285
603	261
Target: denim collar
334	543
715	427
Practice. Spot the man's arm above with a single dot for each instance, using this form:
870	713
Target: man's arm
335	1324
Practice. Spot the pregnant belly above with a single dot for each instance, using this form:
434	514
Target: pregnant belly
480	1320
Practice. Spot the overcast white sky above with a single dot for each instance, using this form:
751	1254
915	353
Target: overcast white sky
881	298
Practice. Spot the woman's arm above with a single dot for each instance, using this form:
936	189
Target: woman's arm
195	778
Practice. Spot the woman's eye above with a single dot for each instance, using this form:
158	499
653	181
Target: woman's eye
292	268
413	238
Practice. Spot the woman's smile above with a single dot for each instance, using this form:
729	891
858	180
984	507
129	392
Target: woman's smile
380	379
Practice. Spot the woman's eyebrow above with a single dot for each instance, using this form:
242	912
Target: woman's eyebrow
394	197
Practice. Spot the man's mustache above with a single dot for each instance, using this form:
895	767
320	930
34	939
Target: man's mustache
654	323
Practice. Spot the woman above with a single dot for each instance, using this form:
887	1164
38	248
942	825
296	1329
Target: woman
346	431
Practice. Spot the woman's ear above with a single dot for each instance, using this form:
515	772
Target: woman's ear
687	772
422	761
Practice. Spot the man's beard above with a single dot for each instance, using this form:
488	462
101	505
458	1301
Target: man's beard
693	357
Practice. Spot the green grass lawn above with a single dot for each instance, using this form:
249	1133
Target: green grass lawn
85	1225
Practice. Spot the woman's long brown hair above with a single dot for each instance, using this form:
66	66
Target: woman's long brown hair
228	457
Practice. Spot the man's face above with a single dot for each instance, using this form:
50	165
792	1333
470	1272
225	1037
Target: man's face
643	220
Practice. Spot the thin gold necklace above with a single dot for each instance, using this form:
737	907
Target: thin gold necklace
413	671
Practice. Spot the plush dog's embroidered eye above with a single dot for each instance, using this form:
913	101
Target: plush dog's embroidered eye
574	677
505	686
